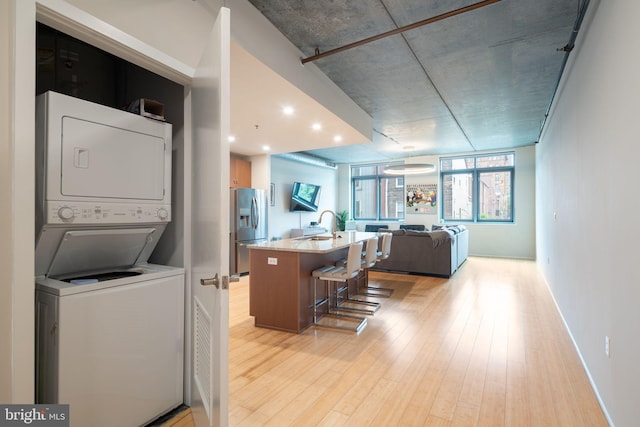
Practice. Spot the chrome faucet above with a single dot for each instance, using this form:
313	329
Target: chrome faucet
335	221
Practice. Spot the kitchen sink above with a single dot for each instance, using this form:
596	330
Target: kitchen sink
319	238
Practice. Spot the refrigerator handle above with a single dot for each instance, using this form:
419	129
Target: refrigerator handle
254	213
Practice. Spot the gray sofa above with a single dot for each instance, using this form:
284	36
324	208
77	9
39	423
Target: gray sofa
462	240
438	252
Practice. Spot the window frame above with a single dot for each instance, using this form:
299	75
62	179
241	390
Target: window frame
397	181
475	171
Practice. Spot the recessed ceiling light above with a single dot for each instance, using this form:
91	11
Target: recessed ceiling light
231	138
266	148
288	111
316	126
337	138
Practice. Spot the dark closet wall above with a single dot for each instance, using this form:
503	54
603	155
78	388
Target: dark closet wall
73	67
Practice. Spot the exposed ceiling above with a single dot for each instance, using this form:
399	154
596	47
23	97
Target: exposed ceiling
480	80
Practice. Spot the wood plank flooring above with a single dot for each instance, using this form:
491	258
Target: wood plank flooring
484	348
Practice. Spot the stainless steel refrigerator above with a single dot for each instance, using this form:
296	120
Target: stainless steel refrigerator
248	225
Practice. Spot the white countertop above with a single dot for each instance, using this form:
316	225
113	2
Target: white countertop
311	244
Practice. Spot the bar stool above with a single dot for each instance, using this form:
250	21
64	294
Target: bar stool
369	259
380	255
332	275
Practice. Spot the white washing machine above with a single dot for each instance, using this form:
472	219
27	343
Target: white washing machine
110	342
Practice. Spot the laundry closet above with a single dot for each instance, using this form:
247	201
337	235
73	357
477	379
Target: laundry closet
109	265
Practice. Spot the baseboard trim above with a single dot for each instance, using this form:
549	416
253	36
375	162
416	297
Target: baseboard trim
575	345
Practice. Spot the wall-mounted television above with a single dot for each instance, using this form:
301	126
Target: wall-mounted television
304	197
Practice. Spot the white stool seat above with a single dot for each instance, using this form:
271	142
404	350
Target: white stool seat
386	247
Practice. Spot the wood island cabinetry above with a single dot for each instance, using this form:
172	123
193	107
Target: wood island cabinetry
280	292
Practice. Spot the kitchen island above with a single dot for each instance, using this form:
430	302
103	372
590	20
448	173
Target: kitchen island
280	293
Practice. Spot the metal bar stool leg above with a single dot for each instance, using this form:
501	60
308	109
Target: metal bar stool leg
373	291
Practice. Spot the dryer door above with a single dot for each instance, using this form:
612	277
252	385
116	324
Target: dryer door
109	162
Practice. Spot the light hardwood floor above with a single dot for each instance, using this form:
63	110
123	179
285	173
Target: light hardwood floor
483	348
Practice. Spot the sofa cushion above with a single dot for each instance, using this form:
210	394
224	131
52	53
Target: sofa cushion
417	233
417	227
456	228
440	237
372	228
437	237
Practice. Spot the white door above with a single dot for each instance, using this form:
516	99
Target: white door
210	229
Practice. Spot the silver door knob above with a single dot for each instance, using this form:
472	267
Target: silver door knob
215	281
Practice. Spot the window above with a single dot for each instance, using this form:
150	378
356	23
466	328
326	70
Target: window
478	188
376	196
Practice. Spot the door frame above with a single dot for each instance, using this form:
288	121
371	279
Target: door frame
17	359
17	180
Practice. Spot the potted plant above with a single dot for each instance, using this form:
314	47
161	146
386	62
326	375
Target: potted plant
341	219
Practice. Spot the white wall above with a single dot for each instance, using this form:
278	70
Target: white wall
344	191
17	85
586	168
515	240
283	174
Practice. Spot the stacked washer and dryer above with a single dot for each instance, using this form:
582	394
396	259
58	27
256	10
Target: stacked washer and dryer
109	325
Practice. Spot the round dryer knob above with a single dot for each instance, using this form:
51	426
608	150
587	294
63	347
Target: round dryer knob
163	213
65	213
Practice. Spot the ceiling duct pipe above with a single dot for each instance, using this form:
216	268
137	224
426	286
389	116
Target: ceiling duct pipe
418	24
308	159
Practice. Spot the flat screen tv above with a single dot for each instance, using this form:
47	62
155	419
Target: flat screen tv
304	197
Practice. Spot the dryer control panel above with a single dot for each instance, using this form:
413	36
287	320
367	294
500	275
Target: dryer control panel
106	213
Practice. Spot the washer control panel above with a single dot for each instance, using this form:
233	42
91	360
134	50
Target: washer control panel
105	213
